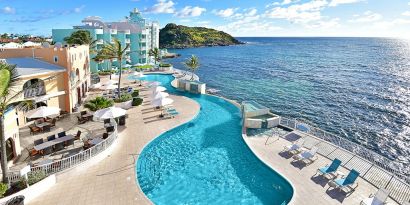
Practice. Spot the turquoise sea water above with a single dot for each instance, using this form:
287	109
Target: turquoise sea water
206	161
358	88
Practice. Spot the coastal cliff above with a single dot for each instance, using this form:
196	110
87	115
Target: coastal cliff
178	36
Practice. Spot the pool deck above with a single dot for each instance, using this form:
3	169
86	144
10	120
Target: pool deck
308	189
112	180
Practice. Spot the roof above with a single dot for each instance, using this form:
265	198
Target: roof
31	66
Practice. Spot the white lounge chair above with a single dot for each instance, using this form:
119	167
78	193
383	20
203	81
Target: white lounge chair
308	156
294	148
377	199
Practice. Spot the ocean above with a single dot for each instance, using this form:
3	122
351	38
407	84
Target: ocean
358	88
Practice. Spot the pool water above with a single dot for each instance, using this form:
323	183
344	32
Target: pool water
206	161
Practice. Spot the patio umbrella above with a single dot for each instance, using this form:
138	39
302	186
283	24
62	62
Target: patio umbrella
161	102
110	82
109	113
158	89
42	112
159	95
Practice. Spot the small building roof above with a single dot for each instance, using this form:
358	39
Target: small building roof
32	66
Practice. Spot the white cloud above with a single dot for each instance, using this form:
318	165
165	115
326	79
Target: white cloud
8	10
367	16
332	23
79	9
284	2
338	2
391	24
406	13
299	13
225	12
162	6
189	11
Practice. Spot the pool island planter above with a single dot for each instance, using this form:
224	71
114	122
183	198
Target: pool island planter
33	191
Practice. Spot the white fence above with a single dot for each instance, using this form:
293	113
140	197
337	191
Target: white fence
374	168
72	161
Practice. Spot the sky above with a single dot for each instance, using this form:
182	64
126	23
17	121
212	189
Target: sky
386	18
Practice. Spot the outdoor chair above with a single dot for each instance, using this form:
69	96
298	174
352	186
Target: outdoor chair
294	148
86	145
329	170
83	113
121	121
39	141
105	135
379	198
59	146
32	152
346	184
69	142
53	122
34	129
61	134
46	128
81	120
47	151
78	135
308	156
52	137
110	129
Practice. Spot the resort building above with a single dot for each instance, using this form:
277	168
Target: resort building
48	76
136	31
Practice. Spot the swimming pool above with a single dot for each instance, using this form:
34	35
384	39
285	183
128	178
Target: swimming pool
206	161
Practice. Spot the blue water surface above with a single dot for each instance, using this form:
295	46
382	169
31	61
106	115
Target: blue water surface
206	161
358	88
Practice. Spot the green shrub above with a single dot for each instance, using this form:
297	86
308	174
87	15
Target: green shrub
144	66
136	93
36	176
3	189
137	101
165	65
123	98
105	72
99	103
21	184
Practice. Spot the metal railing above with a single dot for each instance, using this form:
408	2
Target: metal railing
72	161
374	168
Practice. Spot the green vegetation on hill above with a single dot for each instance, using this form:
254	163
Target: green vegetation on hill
178	36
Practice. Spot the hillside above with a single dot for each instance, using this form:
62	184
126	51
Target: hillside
178	36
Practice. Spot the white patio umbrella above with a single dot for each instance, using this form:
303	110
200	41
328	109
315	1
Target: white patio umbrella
110	82
139	74
108	87
161	102
158	89
109	113
159	95
43	111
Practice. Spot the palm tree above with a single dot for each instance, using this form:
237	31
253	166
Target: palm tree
111	51
156	54
8	77
192	64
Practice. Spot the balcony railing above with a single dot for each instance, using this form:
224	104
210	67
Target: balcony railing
374	168
70	162
34	92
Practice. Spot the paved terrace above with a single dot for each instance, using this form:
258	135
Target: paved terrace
112	180
309	189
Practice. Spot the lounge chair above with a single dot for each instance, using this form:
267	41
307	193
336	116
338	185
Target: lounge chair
376	199
308	156
346	184
294	148
329	170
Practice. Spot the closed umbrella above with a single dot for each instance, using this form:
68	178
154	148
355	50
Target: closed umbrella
109	113
42	112
159	95
161	102
158	89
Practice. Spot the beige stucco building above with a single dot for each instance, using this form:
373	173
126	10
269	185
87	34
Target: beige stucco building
48	76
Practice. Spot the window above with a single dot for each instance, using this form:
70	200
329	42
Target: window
55	59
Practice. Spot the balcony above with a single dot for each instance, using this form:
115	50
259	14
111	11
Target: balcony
34	92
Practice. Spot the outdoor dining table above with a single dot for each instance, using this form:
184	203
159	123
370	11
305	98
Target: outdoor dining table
96	141
43	124
53	142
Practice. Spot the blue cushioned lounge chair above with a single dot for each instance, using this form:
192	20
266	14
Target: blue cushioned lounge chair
346	184
330	169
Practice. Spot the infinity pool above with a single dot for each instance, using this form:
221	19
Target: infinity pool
206	161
